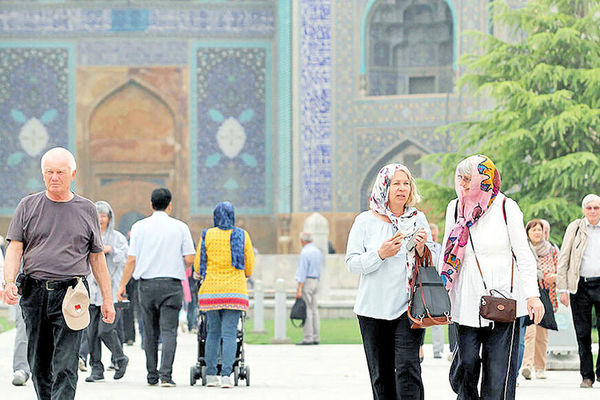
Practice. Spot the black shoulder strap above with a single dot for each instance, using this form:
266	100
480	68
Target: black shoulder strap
456	211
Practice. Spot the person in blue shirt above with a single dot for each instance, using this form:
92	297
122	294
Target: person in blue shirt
307	276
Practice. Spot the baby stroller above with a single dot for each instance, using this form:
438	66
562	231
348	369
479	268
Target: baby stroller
240	369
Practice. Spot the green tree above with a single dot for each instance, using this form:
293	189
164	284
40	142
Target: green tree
542	131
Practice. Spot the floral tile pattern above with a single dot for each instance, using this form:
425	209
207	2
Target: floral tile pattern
34	116
232	136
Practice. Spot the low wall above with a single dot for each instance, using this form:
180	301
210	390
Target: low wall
270	267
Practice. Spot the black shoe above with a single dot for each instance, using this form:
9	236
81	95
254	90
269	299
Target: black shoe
305	343
95	378
122	368
152	381
316	342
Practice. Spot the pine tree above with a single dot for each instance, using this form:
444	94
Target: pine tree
543	130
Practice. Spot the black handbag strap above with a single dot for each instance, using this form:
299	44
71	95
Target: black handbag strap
512	272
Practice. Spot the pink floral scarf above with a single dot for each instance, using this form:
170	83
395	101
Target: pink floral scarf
483	189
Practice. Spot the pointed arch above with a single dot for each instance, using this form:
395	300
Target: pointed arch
131	122
405	151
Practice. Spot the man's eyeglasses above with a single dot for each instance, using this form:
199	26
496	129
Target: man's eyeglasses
595	208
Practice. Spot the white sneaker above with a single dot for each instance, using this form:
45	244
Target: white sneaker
20	377
540	374
81	365
226	382
526	372
212	381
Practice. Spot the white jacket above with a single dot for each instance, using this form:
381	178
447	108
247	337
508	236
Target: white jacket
492	238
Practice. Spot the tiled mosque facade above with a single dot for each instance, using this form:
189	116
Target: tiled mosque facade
282	107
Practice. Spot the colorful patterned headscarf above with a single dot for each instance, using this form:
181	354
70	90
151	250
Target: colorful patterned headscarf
483	189
380	196
379	204
224	218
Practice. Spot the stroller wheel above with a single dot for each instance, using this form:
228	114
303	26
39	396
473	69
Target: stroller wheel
247	368
203	375
192	376
236	375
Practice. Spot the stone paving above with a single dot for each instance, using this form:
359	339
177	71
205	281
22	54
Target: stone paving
281	372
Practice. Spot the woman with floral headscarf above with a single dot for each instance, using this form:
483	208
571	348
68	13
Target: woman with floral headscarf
377	250
483	226
224	259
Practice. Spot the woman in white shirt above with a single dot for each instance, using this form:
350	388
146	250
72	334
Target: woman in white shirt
483	225
377	250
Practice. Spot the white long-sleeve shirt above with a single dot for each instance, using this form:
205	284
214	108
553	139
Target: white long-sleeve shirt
492	238
382	291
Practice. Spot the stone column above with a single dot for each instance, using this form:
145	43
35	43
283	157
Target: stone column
259	307
280	317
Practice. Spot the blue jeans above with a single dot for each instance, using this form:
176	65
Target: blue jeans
222	324
522	329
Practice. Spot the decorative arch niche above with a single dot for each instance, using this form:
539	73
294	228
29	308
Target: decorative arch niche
132	124
410	47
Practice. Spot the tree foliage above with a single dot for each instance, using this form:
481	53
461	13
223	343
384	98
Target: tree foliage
543	129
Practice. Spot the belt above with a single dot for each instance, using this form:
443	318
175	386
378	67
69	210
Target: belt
51	284
160	279
312	277
591	279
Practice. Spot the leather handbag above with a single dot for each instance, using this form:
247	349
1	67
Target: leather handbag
429	303
496	308
548	320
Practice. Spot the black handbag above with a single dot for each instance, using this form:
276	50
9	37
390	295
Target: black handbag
548	321
298	312
429	303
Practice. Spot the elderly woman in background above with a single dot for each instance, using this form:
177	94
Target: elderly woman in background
98	331
377	250
536	337
225	258
482	226
579	274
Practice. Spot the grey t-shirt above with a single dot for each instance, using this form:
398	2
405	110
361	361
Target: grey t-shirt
57	236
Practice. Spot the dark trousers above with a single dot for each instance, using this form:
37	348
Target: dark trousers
498	364
192	307
452	336
161	301
587	296
128	317
99	332
52	346
392	351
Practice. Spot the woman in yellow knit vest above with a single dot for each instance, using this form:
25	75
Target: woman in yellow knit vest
225	258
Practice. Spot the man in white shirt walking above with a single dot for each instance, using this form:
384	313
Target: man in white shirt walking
161	248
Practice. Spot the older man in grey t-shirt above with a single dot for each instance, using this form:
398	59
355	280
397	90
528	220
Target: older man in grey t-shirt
55	233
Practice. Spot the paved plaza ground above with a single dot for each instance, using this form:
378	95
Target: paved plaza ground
280	372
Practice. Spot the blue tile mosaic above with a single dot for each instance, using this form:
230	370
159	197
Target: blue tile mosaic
99	52
34	116
58	21
231	142
315	103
